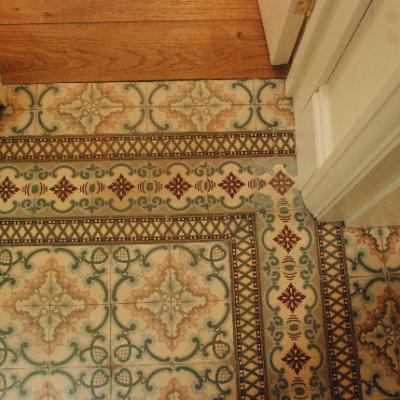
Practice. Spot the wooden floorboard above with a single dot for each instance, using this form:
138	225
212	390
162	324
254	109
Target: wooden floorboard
102	40
63	11
134	51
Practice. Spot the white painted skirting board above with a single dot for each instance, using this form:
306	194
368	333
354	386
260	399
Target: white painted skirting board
345	82
282	26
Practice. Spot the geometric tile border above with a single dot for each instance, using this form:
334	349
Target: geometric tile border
121	147
239	229
337	310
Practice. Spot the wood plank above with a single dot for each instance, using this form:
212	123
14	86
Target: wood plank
66	11
134	51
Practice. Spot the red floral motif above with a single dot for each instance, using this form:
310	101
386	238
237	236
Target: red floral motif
178	186
281	183
287	239
121	187
291	297
231	184
7	189
63	189
296	359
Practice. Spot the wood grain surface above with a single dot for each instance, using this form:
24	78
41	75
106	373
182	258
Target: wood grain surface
95	40
62	11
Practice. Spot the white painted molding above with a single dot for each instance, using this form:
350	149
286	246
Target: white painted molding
353	160
281	26
326	36
322	125
348	123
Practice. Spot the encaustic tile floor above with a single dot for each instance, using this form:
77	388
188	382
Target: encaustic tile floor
154	246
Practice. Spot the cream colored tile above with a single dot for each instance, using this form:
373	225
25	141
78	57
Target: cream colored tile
21	96
174	119
364	254
64	96
80	383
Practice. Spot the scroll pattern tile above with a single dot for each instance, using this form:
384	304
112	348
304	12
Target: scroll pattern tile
138	107
148	260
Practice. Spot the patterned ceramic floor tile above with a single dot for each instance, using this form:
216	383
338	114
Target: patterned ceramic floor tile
375	303
364	251
155	245
391	249
80	383
273	109
186	381
26	384
137	107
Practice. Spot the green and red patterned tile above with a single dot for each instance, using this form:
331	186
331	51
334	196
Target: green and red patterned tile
171	264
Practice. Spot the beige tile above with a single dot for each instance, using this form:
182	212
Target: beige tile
228	117
79	336
64	96
180	381
363	251
274	110
17	122
119	94
221	92
24	351
391	248
21	384
63	121
174	119
179	297
119	120
21	96
174	94
80	383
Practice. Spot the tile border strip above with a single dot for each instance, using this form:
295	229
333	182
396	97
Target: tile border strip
239	228
122	147
342	350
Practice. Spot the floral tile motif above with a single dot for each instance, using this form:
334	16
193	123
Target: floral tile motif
79	383
364	252
165	263
178	297
292	304
375	303
25	383
138	107
182	306
272	108
56	294
391	249
192	382
146	187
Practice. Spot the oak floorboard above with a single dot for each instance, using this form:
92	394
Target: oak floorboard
134	51
63	11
